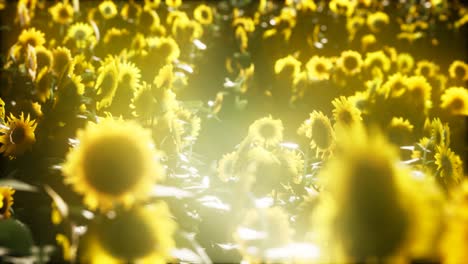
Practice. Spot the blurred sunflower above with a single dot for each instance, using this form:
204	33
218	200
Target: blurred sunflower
6	201
174	3
439	133
350	62
62	13
292	165
129	75
344	113
267	131
377	21
449	166
190	125
368	43
395	86
458	70
405	62
44	83
114	163
81	35
419	90
163	47
62	61
288	66
143	234
131	9
148	19
31	36
399	131
186	30
225	166
106	83
319	68
44	58
107	9
153	3
455	101
203	14
17	136
2	110
426	68
165	78
342	7
377	59
319	130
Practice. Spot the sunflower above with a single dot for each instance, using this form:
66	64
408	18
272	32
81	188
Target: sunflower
143	234
395	86
203	14
2	110
345	113
143	101
405	62
458	70
106	83
353	25
455	101
292	165
267	131
114	163
31	36
174	3
186	30
342	7
175	15
153	3
225	167
62	61
18	135
107	9
44	82
62	13
364	190
115	39
350	62
165	78
164	47
377	21
319	68
440	133
368	42
419	90
288	66
6	201
319	130
81	35
129	75
131	9
148	19
44	57
190	125
426	68
377	59
449	165
399	131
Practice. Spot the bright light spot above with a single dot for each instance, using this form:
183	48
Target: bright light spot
211	103
300	251
245	233
186	255
265	202
186	68
199	44
289	145
228	246
418	175
214	202
228	83
87	214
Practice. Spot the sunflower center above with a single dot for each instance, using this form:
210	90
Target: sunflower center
345	117
457	104
80	35
31	41
63	13
17	135
108	10
320	68
113	165
146	19
4	208
460	72
425	71
321	134
267	131
350	63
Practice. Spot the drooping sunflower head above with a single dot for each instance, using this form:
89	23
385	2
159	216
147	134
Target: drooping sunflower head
62	13
449	166
354	24
405	62
319	68
368	43
455	101
426	68
439	133
31	36
377	21
44	57
292	165
345	113
18	135
106	83
129	75
107	9
350	62
6	201
143	101
288	66
399	131
62	61
114	163
115	39
320	131
81	35
458	70
44	82
203	14
267	131
165	78
143	233
186	30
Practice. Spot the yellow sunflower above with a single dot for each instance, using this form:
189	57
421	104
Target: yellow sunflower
6	201
395	86
174	3
399	130
107	9
143	234
342	7
143	101
114	163
2	110
449	165
44	84
458	70
225	167
165	77
440	133
148	19
81	35
350	62
62	13
44	57
129	75
345	113
455	100
62	61
203	14
292	164
419	90
377	21
153	3
31	36
131	9
288	66
267	131
186	30
319	130
106	83
17	136
165	47
189	124
377	59
426	68
319	68
368	42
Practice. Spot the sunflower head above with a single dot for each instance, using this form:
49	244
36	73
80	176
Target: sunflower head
455	101
148	19
131	9
267	131
62	61
377	21
419	91
345	113
350	62
106	83
288	66
31	36
426	68
395	86
174	3
449	166
377	59
399	131
62	13
107	9
320	132
319	68
6	201
342	7
18	136
458	70
405	62
165	49
189	125
81	35
226	166
114	163
203	14
44	57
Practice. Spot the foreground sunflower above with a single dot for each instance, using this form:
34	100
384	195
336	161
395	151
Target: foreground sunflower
6	201
18	135
267	131
114	163
455	100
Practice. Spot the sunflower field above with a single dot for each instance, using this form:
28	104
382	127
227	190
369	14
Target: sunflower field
233	131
